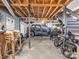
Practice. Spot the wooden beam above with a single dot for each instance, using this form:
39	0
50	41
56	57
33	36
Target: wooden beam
27	9
26	1
67	2
38	5
43	11
62	7
43	1
35	1
51	1
57	12
27	6
21	8
55	8
49	9
53	11
19	13
59	1
5	2
33	10
38	12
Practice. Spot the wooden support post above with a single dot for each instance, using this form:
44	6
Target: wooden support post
77	52
5	50
13	45
20	43
0	52
2	42
9	37
13	50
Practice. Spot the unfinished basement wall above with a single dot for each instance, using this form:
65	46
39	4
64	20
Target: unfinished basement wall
6	20
23	28
17	23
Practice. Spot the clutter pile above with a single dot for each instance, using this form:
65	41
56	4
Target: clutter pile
10	43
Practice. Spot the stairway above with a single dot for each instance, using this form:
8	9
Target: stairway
73	26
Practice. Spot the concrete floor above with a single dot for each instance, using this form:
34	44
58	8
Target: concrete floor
41	48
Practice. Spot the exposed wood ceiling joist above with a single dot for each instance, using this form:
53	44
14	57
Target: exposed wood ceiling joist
27	9
67	2
16	11
39	8
5	2
49	9
53	11
21	8
43	9
38	5
55	8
